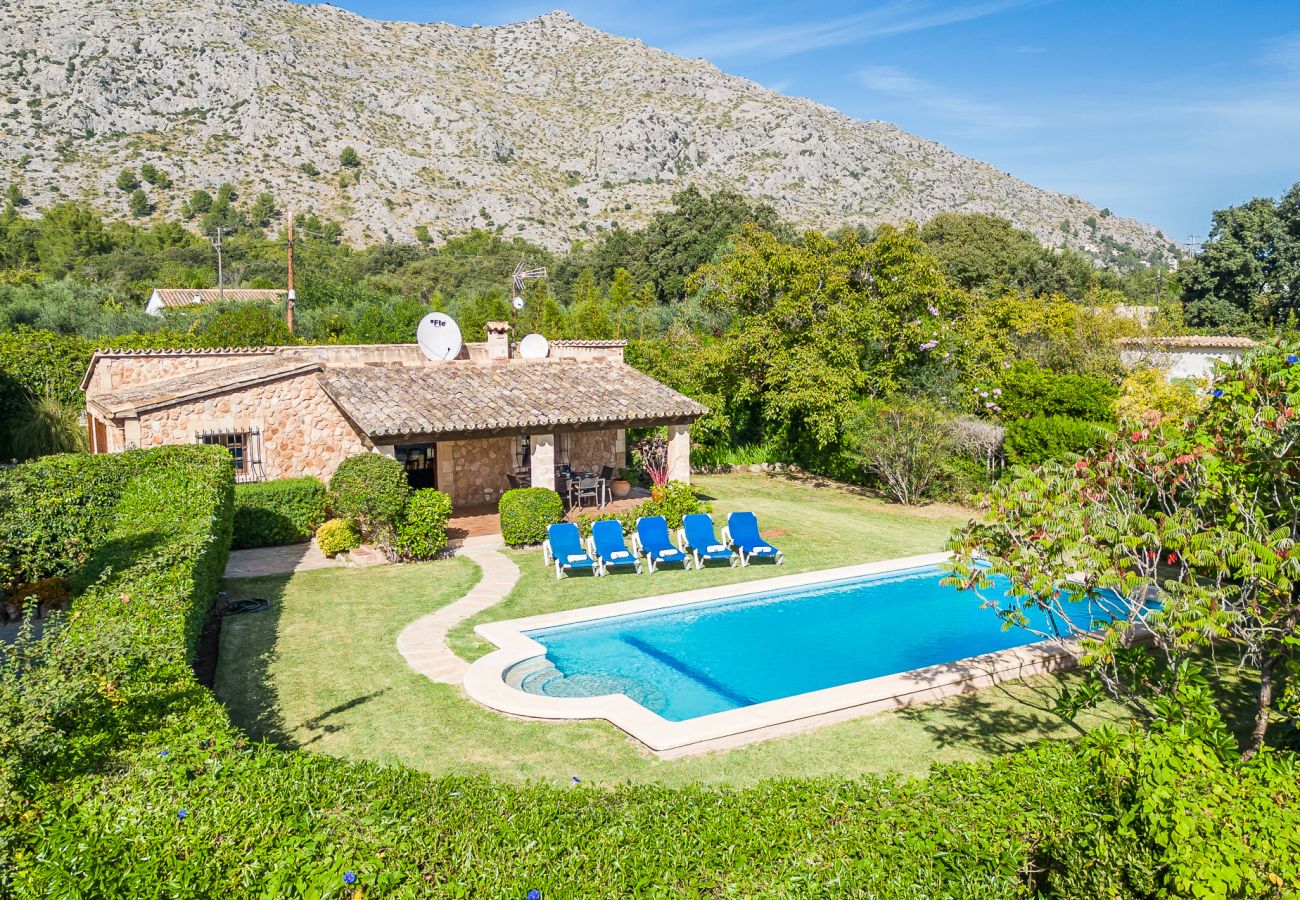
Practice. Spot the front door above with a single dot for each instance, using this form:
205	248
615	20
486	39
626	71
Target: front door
421	464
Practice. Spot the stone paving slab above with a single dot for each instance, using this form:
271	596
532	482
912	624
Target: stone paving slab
423	643
261	561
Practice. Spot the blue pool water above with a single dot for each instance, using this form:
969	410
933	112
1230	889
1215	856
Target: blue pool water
705	658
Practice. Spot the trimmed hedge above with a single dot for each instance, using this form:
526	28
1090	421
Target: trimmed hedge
526	512
274	513
1032	442
423	531
54	512
371	490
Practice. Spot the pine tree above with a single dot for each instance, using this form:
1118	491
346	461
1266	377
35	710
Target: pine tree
127	180
139	204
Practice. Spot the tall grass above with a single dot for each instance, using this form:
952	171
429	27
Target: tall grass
52	425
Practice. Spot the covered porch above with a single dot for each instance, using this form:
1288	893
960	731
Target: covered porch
482	520
475	431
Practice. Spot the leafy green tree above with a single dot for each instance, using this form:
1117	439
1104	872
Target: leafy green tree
981	252
422	234
139	203
307	167
1247	275
242	325
67	234
127	181
589	316
199	203
263	210
14	195
1189	535
348	157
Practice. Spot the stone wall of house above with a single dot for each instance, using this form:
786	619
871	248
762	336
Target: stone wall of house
113	372
593	449
303	432
466	468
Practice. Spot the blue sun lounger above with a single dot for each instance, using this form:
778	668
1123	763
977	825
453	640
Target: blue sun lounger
606	544
563	547
652	539
698	537
742	533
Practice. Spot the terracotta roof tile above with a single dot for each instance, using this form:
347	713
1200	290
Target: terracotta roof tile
174	297
463	398
138	398
1189	342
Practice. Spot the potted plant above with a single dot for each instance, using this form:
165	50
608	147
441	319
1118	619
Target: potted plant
621	485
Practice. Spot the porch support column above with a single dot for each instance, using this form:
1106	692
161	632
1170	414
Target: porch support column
679	453
541	449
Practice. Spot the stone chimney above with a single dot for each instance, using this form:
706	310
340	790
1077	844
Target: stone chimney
498	342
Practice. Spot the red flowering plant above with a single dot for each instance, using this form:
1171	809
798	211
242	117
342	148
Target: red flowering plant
1182	539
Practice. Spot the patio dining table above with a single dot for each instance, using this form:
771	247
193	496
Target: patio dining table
575	493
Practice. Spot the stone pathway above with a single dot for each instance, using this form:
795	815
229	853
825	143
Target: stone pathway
424	641
294	558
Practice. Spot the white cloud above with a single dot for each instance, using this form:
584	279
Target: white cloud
960	112
787	39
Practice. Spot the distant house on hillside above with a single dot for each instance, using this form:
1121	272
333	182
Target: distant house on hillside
175	298
1189	356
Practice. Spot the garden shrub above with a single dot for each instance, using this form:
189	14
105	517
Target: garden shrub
273	513
422	533
626	519
1025	391
1147	390
338	536
909	449
370	489
673	501
526	512
1032	442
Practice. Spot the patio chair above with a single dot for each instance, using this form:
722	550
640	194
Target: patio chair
742	533
606	544
588	486
652	539
563	549
513	481
698	537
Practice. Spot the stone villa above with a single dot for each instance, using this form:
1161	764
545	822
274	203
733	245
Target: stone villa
1189	356
464	426
178	298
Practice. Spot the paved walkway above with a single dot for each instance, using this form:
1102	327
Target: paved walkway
424	641
294	558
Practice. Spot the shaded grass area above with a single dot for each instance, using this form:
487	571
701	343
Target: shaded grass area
320	670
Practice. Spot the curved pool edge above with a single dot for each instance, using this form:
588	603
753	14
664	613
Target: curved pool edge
485	683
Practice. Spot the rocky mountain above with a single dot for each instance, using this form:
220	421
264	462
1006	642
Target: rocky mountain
547	129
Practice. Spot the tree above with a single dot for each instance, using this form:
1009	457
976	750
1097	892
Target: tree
199	203
422	234
1187	535
127	181
139	203
155	176
589	316
263	210
1247	274
907	447
348	157
14	195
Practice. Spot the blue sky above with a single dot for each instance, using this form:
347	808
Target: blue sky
1163	111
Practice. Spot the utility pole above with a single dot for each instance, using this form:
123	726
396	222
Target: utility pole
221	282
288	311
1191	244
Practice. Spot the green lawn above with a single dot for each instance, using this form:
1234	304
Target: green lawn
320	669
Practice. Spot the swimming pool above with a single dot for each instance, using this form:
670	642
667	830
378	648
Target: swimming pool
706	658
722	666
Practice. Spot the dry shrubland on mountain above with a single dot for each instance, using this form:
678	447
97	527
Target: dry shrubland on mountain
547	129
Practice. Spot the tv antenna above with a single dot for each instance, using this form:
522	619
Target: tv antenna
521	275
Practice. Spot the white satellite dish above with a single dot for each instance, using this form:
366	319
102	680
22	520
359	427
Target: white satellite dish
534	346
438	336
518	302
